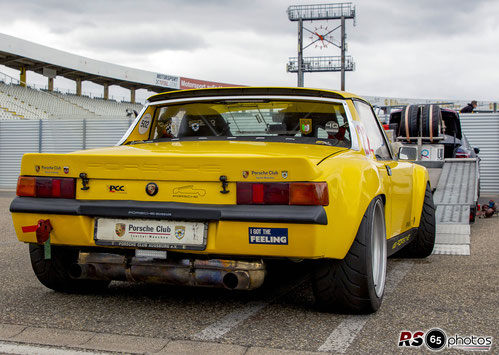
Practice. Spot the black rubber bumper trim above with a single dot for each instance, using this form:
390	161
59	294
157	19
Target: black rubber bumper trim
171	210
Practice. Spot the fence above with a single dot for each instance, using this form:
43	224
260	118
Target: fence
61	136
18	137
482	131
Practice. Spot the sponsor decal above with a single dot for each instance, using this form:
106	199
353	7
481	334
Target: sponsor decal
332	127
195	125
275	236
305	125
152	189
116	188
245	174
187	83
364	139
66	170
401	241
179	232
188	191
284	174
37	168
144	123
436	339
120	229
168	81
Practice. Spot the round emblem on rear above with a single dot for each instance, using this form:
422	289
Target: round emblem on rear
151	189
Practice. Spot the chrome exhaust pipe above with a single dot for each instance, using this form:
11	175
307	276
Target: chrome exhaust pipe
231	274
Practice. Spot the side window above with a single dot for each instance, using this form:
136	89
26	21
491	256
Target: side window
370	122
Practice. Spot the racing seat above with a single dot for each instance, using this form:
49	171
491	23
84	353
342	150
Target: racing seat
203	126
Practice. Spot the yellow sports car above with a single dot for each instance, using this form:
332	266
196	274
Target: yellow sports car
207	185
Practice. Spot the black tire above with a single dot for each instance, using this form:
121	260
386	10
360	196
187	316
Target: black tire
348	286
53	273
431	120
409	122
424	241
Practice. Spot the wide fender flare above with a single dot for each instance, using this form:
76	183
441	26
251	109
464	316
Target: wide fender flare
420	178
353	183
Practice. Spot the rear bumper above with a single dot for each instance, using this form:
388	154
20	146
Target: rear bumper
171	210
73	223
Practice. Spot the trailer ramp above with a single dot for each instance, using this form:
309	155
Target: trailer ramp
455	198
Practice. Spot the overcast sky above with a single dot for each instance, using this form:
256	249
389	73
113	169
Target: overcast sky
421	48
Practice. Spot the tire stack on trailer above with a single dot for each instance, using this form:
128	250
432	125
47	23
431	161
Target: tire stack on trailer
420	122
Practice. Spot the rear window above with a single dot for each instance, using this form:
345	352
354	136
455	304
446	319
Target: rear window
289	121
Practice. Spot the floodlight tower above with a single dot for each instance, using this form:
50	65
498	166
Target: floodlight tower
321	37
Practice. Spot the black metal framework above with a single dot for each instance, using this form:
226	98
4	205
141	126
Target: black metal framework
320	12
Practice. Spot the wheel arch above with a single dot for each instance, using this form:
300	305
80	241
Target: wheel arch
354	183
421	179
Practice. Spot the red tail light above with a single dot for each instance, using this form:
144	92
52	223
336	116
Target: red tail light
31	186
302	193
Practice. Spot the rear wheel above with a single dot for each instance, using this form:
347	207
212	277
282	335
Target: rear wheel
424	241
53	272
356	284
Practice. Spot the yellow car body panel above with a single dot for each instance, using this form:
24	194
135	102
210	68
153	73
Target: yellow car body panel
189	172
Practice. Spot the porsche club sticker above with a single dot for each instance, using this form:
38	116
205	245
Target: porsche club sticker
66	170
264	174
144	124
51	169
305	125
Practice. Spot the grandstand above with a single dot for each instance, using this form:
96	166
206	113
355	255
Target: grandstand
17	102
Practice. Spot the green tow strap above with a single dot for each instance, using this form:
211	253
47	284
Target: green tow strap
48	254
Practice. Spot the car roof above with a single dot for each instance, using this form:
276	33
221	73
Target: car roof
257	91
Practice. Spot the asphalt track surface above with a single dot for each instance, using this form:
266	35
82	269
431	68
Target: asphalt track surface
458	294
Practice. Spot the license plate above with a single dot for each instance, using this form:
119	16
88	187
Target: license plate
147	233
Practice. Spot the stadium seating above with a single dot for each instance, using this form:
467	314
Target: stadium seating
18	102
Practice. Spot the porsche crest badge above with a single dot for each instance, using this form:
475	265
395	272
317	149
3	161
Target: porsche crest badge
151	189
120	229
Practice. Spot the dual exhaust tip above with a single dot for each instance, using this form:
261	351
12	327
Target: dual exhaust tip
229	274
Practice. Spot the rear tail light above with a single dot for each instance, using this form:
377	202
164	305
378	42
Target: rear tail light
31	186
299	193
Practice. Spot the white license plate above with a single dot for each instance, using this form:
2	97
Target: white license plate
148	233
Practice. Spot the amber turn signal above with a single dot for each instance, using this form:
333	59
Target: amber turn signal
26	186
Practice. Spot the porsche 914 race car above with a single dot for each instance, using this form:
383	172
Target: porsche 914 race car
208	185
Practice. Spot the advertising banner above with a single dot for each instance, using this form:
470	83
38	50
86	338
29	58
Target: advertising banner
187	83
168	81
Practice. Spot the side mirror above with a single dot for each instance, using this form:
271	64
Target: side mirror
408	153
477	150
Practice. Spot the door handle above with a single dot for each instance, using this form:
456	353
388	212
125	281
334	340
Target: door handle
389	170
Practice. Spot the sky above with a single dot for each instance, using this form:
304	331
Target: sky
433	49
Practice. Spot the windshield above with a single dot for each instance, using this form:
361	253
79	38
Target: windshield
290	121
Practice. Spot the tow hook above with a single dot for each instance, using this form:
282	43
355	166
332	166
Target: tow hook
43	230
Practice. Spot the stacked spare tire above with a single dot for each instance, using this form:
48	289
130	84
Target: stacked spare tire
418	121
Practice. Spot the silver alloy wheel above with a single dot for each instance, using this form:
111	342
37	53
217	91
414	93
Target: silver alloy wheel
378	248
